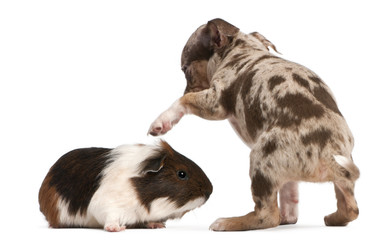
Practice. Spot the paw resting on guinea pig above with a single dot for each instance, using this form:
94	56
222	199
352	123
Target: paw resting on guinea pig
134	186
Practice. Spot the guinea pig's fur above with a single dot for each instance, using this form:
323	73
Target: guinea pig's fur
128	186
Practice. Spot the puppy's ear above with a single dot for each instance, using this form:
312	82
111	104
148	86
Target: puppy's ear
153	164
263	40
220	30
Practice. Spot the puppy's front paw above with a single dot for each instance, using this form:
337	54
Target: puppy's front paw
159	127
114	227
165	122
219	225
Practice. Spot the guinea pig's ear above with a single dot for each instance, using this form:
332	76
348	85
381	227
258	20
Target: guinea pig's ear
152	164
220	30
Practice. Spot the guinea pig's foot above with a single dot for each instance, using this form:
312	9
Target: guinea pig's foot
155	225
114	227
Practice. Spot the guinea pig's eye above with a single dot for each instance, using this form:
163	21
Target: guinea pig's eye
182	175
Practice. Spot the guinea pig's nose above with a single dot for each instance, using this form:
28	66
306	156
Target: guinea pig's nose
207	194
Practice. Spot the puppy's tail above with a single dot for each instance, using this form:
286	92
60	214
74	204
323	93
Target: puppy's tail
349	169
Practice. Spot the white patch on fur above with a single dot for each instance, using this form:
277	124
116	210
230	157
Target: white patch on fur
115	202
168	118
343	161
76	221
162	208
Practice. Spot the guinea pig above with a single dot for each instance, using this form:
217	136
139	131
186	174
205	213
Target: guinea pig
131	186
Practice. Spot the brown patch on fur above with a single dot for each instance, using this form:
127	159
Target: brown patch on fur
284	120
262	58
316	79
261	186
73	178
239	42
274	81
252	108
301	81
167	148
196	76
325	98
320	137
197	48
239	68
300	106
228	98
235	60
167	182
246	79
223	54
48	200
269	147
241	85
253	115
258	204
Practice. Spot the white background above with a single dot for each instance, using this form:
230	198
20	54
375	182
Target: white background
97	73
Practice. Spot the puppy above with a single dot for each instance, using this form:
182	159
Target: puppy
283	111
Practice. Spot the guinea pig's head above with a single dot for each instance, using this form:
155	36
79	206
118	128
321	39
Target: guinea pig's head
170	184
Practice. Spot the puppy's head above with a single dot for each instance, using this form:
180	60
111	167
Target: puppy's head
203	43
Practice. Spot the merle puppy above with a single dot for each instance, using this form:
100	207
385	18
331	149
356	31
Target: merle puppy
282	110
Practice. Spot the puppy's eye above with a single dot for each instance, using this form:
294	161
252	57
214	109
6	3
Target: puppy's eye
184	68
182	175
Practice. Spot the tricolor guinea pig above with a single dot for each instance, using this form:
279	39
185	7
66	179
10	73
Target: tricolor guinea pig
131	186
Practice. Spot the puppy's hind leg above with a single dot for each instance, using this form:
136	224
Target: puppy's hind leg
346	173
289	203
265	215
347	209
264	187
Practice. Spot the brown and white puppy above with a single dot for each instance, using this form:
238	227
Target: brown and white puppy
283	111
135	186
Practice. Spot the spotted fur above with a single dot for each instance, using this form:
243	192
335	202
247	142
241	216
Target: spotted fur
282	110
